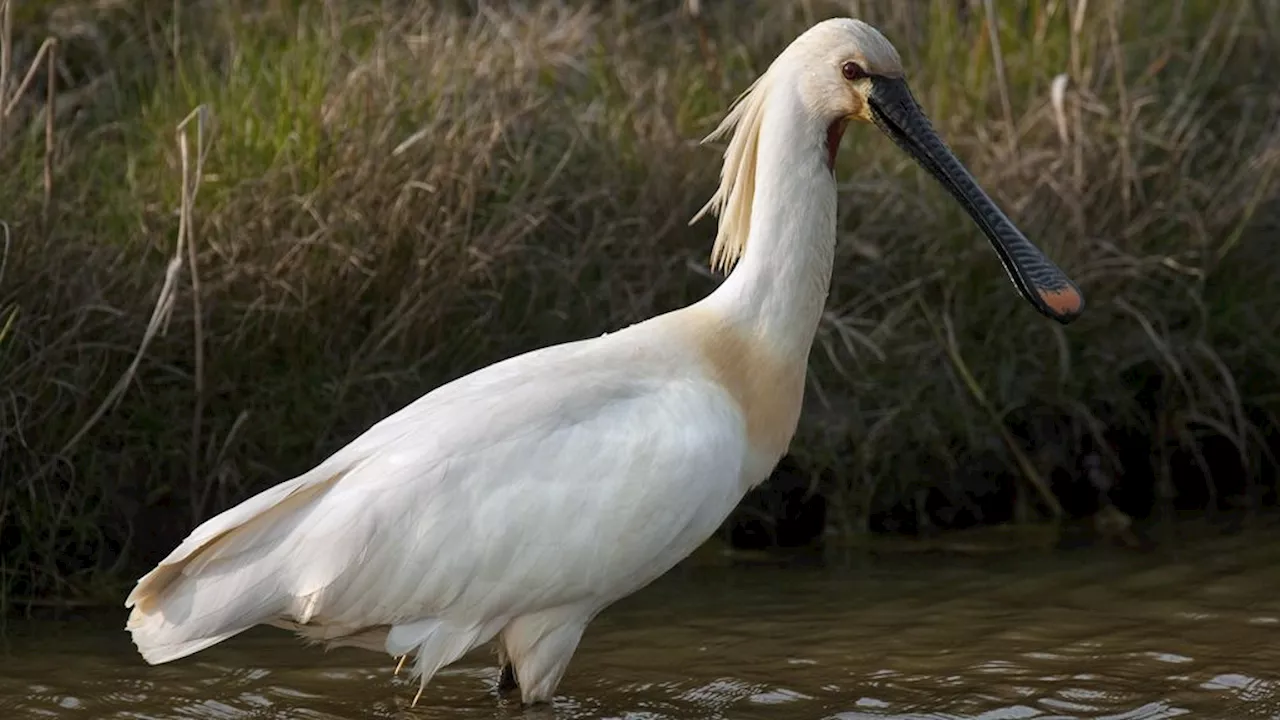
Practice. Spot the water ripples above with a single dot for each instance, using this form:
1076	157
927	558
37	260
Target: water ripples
1105	637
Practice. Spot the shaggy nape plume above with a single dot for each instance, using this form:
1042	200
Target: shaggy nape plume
731	202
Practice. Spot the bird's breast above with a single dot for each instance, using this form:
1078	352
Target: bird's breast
767	386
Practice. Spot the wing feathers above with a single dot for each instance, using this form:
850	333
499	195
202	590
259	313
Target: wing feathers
567	474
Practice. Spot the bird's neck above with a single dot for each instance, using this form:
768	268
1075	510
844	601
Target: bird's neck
778	289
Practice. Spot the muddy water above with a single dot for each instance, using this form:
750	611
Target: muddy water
1189	630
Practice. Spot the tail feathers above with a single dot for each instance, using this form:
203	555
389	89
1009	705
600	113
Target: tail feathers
155	651
212	540
233	572
197	611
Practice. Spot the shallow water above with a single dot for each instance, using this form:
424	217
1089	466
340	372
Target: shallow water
1189	630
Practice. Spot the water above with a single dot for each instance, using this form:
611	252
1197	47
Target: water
1189	630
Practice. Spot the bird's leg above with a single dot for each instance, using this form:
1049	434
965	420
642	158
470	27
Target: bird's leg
507	680
540	646
422	681
422	685
400	664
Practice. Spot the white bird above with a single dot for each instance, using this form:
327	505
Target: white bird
519	501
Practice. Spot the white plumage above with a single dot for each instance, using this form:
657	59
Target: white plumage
535	489
517	502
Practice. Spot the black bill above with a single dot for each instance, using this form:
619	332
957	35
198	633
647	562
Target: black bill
1043	284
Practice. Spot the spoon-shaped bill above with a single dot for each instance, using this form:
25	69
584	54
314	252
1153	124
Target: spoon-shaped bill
1048	289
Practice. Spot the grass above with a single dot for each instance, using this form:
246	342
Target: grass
235	234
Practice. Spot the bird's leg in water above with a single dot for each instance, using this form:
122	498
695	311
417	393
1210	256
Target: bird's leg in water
507	680
400	664
421	686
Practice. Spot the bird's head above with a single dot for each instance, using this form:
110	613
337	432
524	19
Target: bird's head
836	65
843	70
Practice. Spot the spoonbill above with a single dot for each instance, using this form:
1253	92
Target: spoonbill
517	502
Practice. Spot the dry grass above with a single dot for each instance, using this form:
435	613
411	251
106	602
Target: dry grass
390	198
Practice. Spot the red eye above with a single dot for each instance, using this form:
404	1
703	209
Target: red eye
853	71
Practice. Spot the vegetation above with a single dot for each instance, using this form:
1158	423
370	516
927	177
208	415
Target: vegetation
236	233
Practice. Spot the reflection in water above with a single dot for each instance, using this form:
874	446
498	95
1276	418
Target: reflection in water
1086	634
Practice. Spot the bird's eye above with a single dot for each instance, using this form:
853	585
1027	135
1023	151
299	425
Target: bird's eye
853	71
